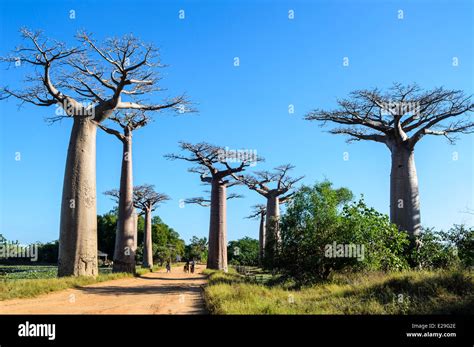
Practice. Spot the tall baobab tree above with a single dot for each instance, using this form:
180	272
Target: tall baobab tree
126	235
214	169
146	200
87	84
399	118
276	195
260	211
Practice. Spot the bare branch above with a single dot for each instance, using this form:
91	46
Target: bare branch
403	114
146	198
258	211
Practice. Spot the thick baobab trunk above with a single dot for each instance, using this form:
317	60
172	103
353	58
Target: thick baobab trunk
135	233
273	217
261	237
78	226
147	242
124	255
272	232
217	257
404	196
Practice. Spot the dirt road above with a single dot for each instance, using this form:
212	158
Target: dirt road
154	293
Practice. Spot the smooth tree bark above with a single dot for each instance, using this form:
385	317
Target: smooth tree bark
147	241
125	246
208	158
217	220
146	200
78	204
404	194
74	80
260	211
275	196
399	118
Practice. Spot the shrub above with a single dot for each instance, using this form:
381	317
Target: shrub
321	229
439	249
243	252
462	239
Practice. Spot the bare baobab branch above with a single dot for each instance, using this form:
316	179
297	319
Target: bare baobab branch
145	197
257	211
114	194
199	201
404	113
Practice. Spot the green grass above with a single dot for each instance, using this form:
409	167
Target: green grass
411	292
37	280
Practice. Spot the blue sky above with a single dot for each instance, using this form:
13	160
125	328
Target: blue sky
282	62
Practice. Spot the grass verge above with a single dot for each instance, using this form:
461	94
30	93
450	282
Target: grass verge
411	292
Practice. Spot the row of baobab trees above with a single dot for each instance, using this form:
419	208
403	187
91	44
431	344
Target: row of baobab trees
96	83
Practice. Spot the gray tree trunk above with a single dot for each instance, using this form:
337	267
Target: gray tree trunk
124	255
261	237
135	233
404	195
78	225
272	232
217	257
147	242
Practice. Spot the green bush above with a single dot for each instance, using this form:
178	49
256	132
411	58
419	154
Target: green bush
322	232
243	252
440	249
461	238
384	244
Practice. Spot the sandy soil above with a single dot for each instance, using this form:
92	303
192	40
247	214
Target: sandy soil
154	293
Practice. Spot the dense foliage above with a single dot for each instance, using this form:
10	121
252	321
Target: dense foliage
440	249
243	252
322	232
196	249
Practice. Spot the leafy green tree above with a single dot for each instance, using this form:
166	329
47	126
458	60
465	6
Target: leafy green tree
48	252
384	245
461	238
197	249
323	232
439	249
166	241
106	230
244	251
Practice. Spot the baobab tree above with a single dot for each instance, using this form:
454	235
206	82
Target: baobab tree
126	235
87	84
146	200
260	211
276	195
400	118
214	169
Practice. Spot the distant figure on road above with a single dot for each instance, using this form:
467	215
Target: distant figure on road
168	267
192	266
186	267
